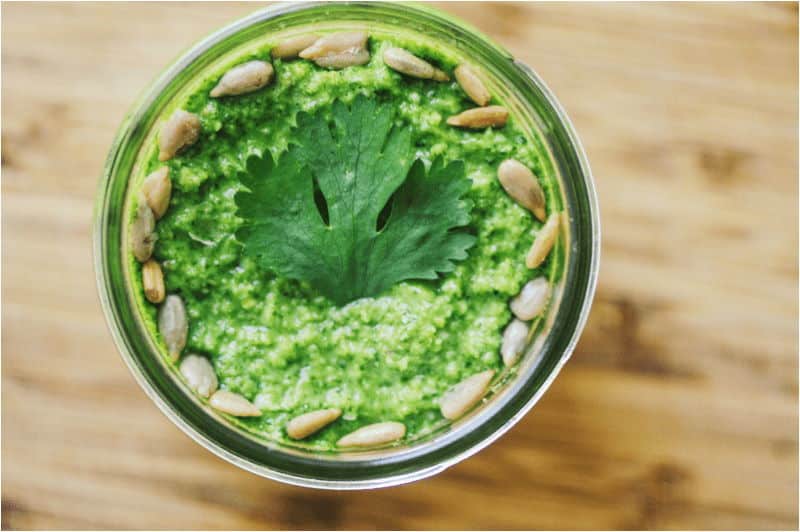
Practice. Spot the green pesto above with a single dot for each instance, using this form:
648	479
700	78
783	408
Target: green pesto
286	348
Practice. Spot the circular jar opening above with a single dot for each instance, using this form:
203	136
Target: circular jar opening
572	269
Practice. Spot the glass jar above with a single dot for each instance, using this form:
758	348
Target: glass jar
538	114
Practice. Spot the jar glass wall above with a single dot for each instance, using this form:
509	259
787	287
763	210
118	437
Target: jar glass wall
543	122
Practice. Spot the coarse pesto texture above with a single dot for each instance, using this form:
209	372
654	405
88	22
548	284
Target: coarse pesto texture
286	348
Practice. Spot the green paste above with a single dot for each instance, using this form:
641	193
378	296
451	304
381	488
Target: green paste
289	350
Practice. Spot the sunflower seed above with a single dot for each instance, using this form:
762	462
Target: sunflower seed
523	187
153	281
376	434
233	404
531	300
200	375
181	130
307	424
514	338
173	326
339	50
472	84
344	59
291	47
480	117
143	238
157	190
544	241
464	395
244	78
336	43
407	63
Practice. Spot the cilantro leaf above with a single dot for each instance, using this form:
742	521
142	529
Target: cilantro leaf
317	214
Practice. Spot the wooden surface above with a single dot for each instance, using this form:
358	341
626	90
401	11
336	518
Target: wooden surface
679	407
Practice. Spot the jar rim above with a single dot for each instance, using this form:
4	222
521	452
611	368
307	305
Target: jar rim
409	465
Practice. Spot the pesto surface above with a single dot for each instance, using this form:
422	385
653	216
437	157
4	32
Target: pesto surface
286	348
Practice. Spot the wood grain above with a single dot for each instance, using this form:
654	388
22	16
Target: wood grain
679	408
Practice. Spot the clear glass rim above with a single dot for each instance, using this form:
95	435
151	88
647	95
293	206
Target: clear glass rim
409	466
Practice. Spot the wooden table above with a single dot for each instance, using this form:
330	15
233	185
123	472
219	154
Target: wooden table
680	405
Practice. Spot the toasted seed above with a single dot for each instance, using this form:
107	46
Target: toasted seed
373	435
291	47
153	281
472	84
307	424
407	63
335	43
181	130
480	117
514	338
157	190
520	183
544	241
339	50
143	237
531	300
344	59
464	395
173	325
200	375
233	404
244	78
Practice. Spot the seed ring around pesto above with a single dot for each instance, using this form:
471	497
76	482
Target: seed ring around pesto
338	50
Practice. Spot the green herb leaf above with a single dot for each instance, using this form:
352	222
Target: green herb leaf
317	215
